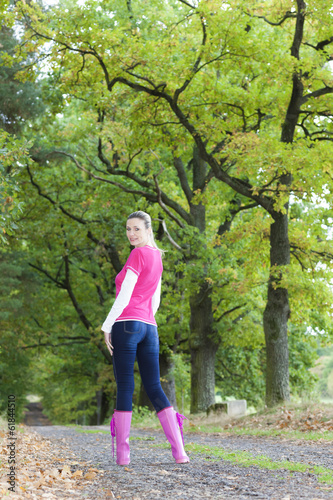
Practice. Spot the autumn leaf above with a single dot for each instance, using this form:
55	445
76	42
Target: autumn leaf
90	475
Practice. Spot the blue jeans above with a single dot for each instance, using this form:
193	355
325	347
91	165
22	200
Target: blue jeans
132	339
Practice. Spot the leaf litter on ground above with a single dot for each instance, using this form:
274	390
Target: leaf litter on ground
41	469
305	419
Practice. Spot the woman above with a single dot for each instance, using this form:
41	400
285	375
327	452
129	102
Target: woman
131	332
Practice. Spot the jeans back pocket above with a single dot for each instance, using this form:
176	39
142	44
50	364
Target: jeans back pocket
132	326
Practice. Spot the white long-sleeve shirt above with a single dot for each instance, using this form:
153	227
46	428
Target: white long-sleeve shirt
124	298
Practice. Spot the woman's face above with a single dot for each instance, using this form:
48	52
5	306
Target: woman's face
137	233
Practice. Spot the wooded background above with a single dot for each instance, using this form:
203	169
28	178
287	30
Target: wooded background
214	117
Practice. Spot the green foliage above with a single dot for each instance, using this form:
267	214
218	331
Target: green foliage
302	356
19	101
12	153
240	373
15	370
326	381
142	416
15	363
183	382
67	381
240	370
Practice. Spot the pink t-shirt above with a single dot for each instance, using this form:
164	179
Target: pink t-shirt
146	262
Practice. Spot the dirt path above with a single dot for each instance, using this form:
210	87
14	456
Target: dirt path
34	415
153	474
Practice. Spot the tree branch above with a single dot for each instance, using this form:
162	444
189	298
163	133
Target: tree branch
54	203
320	45
83	52
111	251
317	93
70	292
144	78
160	202
229	312
237	184
148	195
299	260
196	64
287	15
227	369
60	284
166	232
187	3
179	166
48	344
241	110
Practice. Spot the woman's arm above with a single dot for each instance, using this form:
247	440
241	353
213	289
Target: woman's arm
121	301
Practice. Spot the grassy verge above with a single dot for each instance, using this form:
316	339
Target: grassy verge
286	433
305	422
100	431
245	459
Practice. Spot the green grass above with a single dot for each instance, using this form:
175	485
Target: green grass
90	431
289	433
245	459
98	431
137	438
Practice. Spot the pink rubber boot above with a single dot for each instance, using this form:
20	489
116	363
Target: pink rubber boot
172	424
120	427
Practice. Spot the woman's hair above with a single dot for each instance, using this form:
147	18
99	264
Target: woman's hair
147	220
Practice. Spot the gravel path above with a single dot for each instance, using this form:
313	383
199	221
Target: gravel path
153	474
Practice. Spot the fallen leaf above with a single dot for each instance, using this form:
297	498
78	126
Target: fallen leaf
90	475
77	473
66	471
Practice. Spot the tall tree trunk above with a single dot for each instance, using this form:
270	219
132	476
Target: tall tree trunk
277	309
203	351
276	316
202	347
102	409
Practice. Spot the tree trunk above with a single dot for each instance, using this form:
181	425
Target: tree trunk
277	309
202	348
102	409
203	351
276	316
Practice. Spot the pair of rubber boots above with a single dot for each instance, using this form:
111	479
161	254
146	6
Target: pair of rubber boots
172	423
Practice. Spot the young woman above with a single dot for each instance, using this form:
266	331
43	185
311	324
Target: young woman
131	332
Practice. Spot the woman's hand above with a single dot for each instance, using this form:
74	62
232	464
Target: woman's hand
107	337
